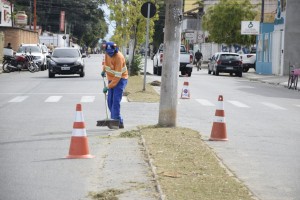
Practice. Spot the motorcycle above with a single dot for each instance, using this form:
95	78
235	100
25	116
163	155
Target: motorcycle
14	63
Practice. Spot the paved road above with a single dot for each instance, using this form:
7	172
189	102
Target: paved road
35	135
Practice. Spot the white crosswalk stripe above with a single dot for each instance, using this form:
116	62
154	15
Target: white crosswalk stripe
205	102
18	99
53	99
238	104
124	99
87	99
273	106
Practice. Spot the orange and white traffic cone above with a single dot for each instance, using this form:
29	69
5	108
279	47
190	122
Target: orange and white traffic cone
185	93
79	147
218	132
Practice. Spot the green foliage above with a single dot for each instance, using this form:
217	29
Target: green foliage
130	24
158	37
136	65
84	19
223	22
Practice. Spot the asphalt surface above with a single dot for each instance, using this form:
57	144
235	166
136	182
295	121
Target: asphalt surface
137	160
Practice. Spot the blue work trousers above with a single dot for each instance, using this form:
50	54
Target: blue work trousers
114	99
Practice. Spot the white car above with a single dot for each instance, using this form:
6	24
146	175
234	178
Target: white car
249	60
185	61
38	53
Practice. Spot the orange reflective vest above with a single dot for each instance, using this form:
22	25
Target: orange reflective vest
115	68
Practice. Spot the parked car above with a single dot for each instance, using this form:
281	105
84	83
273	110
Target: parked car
249	60
35	50
185	61
65	61
224	62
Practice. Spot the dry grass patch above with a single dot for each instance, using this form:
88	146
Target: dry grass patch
188	169
109	194
134	91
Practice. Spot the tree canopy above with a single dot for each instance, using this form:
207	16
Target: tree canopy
223	22
130	24
85	19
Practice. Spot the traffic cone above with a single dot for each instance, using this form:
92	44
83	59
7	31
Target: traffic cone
79	147
185	93
218	132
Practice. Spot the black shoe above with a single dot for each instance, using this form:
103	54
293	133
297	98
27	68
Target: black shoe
112	127
121	125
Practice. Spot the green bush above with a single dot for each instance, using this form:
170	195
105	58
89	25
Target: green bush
136	65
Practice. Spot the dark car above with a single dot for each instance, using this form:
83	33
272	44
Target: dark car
224	62
64	61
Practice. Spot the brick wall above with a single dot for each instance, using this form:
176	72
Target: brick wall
17	36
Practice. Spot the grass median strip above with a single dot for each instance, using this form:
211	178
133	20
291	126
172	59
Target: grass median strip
134	91
188	169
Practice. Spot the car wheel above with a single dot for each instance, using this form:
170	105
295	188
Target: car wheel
82	74
208	70
51	75
154	69
43	68
217	73
245	69
239	74
159	71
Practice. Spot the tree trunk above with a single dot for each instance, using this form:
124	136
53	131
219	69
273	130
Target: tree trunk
169	79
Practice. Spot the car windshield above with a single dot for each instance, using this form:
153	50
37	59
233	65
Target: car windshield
229	57
27	49
65	53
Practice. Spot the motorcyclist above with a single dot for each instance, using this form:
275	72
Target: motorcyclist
198	56
117	75
8	46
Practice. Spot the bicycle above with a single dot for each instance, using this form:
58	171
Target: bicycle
198	64
293	77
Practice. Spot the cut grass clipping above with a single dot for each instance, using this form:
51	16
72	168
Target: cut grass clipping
110	194
134	91
187	168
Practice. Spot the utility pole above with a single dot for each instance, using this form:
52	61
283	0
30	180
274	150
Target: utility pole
262	11
34	15
169	78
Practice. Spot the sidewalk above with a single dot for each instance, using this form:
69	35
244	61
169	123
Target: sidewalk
270	79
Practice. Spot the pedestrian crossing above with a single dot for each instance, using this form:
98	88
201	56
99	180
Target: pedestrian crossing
203	102
239	104
56	99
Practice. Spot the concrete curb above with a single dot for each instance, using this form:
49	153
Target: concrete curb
158	187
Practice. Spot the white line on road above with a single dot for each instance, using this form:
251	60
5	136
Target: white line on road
53	99
124	99
205	102
238	104
18	99
87	99
274	106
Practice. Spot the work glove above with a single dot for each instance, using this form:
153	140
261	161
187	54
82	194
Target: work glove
105	89
103	74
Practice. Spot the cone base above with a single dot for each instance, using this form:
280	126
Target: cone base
217	139
218	132
80	156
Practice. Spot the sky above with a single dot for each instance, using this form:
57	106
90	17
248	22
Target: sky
111	24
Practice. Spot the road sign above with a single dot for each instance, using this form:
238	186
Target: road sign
250	27
190	36
144	9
